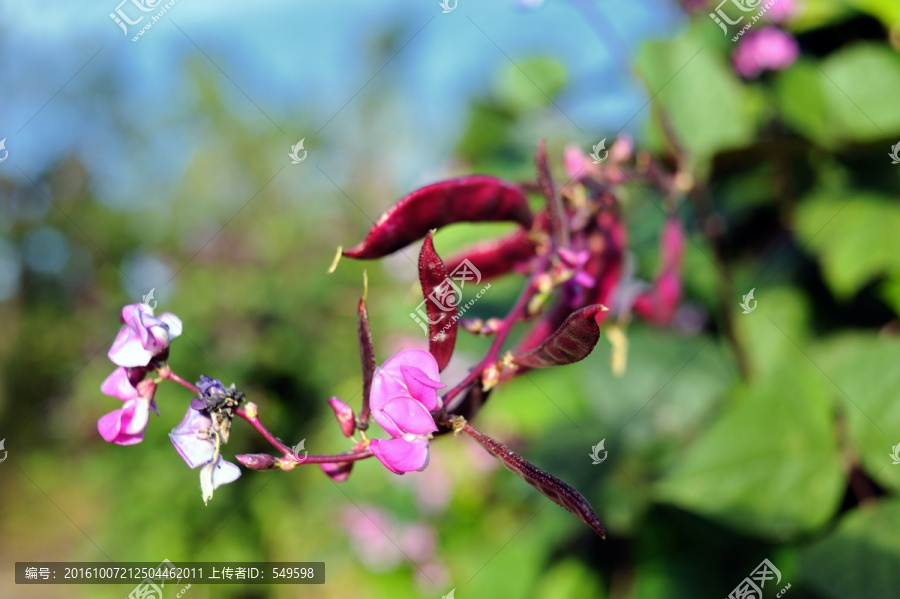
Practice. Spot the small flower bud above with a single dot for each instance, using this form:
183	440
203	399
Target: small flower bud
545	283
286	465
338	472
490	378
473	325
257	461
537	303
251	410
344	415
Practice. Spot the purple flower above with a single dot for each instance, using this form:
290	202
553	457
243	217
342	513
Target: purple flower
198	444
126	425
404	392
144	336
768	48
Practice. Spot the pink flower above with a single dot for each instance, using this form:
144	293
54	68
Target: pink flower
768	48
144	336
126	425
404	392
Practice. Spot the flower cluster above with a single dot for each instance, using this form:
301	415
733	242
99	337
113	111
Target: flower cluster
142	347
573	255
142	342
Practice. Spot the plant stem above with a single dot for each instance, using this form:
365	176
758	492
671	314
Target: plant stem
167	373
515	313
262	430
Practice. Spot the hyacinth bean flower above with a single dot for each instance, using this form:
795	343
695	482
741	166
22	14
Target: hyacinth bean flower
769	49
126	425
404	391
144	336
198	444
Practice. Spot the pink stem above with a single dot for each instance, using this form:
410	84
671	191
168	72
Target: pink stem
168	374
334	459
262	430
289	453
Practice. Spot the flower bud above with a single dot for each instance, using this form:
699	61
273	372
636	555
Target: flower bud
257	461
344	415
339	472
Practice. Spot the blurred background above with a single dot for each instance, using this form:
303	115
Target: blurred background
162	163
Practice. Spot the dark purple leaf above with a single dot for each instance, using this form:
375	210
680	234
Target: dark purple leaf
366	356
555	211
440	303
571	342
556	490
476	198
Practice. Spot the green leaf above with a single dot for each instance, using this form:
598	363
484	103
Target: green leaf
765	344
707	105
867	386
804	104
861	556
886	10
855	237
862	84
768	453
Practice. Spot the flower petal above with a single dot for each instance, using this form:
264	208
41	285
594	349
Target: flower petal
191	439
127	349
136	415
421	387
389	381
407	416
109	425
131	315
126	425
215	474
173	324
401	455
118	385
